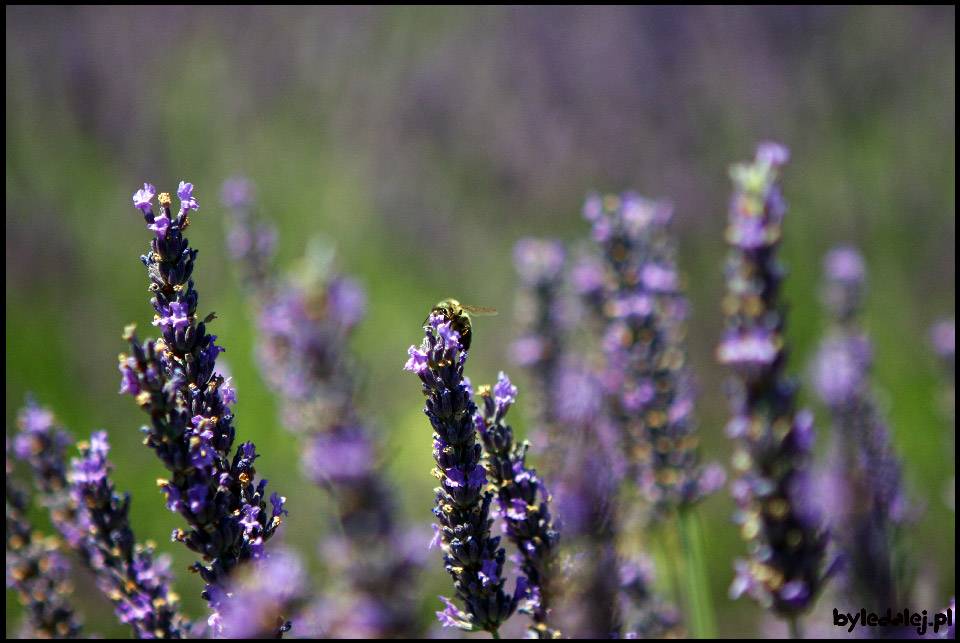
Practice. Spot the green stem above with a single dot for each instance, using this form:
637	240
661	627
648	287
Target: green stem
495	634
696	588
796	631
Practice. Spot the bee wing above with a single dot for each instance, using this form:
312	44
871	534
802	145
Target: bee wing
479	311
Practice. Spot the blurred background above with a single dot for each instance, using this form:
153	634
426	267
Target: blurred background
424	142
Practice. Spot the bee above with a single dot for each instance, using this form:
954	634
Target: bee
459	317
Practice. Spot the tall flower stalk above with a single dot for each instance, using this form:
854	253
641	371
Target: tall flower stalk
589	604
523	505
648	385
574	441
785	570
543	319
647	379
37	569
174	380
302	351
866	468
92	518
135	580
462	507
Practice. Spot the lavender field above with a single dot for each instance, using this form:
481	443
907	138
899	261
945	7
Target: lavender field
717	398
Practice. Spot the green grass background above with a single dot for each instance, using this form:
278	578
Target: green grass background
424	142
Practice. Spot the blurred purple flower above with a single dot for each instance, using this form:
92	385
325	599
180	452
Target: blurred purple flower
864	460
38	570
777	514
304	323
263	596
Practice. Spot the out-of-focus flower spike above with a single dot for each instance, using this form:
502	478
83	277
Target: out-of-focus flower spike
305	322
37	569
777	514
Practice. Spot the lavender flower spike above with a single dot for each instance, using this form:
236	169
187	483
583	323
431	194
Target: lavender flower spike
787	541
523	504
471	555
37	570
865	465
93	521
174	381
648	383
544	319
305	324
136	581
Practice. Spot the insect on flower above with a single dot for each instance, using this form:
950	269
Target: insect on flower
459	317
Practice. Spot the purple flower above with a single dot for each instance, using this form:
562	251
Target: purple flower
160	226
462	507
653	617
342	455
304	325
787	540
187	202
92	518
844	282
137	582
236	193
523	504
142	198
38	570
864	461
943	335
577	396
452	616
175	382
174	315
504	394
261	599
347	301
587	276
538	263
839	369
772	153
278	501
647	386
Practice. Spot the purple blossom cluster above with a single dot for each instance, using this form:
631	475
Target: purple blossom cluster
617	409
865	471
37	569
304	326
650	615
777	514
575	442
543	320
137	581
523	504
462	507
586	489
93	521
174	380
646	378
261	592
